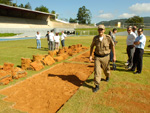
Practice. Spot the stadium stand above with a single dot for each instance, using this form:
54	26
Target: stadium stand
28	22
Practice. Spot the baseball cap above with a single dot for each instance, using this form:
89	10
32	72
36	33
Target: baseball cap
101	26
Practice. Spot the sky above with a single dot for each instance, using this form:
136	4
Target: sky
101	10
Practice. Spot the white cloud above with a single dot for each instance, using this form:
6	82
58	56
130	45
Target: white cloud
140	8
101	11
106	16
126	15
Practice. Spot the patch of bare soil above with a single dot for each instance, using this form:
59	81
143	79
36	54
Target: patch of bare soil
49	90
133	98
82	58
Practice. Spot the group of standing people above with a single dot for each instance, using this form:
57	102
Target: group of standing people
105	52
53	40
135	48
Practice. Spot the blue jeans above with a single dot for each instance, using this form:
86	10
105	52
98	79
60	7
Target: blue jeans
63	43
38	44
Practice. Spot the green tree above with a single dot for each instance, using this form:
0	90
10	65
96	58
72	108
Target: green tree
7	2
28	6
21	5
136	20
53	12
84	15
71	20
42	8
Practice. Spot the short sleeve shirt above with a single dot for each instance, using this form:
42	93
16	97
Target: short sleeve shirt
131	38
102	47
56	38
51	36
142	40
63	36
38	36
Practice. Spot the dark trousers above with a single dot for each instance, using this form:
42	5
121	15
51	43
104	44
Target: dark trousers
138	59
111	55
63	43
51	45
130	52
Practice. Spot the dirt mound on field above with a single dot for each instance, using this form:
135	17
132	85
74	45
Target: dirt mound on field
8	72
49	90
83	58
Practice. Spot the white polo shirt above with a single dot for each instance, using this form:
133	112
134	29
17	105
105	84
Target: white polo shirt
131	38
51	36
38	36
63	36
57	38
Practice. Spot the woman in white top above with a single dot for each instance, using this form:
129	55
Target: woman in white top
38	41
57	38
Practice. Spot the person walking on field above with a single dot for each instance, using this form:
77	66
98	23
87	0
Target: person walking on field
139	51
38	41
51	40
63	37
47	35
112	34
103	44
130	46
57	38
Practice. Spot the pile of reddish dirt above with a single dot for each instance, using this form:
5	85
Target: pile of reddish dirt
82	58
133	98
49	90
9	72
39	61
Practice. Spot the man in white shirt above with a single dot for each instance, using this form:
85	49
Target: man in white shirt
51	40
130	46
63	36
139	51
38	41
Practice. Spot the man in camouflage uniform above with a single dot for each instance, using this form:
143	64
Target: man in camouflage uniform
103	44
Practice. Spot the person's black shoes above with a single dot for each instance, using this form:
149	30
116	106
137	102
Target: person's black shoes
131	69
107	79
96	88
137	72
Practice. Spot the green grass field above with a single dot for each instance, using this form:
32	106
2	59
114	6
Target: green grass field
84	100
7	34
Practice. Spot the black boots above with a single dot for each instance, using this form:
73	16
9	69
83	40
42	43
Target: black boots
96	88
107	79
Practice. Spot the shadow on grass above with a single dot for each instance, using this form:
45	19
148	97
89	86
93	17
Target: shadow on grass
42	48
146	54
19	66
118	64
85	84
88	83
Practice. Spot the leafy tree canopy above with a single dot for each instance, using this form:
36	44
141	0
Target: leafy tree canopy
42	8
84	15
71	20
135	19
28	6
7	2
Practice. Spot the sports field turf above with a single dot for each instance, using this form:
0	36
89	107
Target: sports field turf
125	92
